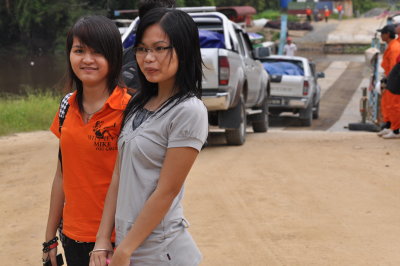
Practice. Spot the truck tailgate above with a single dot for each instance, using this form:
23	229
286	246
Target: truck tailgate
210	67
285	85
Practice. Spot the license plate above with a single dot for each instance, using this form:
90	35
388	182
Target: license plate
275	101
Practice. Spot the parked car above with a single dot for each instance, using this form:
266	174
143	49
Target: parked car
235	84
294	86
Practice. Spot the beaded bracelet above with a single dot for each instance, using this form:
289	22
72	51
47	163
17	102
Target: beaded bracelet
47	246
52	241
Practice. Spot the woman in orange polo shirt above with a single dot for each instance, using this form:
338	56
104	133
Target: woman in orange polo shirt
88	138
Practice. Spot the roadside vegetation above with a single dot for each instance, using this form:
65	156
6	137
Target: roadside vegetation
39	26
362	6
27	113
274	15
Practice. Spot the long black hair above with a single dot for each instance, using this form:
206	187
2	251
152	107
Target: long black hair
102	35
184	38
145	6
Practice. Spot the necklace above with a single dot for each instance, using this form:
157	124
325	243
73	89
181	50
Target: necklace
89	115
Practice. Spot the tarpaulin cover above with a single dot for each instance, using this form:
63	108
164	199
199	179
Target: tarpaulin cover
129	41
211	39
208	39
283	68
255	36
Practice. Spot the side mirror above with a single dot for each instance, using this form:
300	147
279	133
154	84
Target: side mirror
262	52
320	75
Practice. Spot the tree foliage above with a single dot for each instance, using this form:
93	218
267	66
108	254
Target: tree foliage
364	5
42	24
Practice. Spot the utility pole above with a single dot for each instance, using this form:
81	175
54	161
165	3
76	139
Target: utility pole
282	39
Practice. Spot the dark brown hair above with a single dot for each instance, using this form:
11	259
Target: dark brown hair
102	35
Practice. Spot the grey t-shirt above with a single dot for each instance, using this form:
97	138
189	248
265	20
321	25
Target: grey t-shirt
142	152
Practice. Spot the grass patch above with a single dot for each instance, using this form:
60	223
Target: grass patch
274	15
29	113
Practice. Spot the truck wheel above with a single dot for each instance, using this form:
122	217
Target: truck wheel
262	121
237	136
306	116
315	114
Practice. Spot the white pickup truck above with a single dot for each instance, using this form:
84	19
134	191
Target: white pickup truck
235	84
294	86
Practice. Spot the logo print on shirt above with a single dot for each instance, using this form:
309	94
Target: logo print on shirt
103	138
102	133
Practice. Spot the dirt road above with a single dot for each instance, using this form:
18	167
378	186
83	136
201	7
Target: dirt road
284	198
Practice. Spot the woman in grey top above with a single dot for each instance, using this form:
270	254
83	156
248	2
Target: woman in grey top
165	126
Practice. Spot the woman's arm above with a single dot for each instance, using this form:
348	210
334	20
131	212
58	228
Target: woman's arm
177	164
55	211
103	238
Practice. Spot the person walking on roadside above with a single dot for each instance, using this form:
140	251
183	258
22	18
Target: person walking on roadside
340	10
327	13
165	127
316	14
308	13
290	48
389	60
129	66
88	138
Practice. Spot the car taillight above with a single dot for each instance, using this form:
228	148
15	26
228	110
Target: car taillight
223	70
306	87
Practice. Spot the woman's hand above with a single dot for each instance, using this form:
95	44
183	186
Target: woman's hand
51	255
101	253
120	259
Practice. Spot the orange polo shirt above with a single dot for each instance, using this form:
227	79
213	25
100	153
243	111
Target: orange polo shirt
88	157
390	56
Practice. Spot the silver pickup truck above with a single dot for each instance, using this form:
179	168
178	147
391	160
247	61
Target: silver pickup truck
235	84
294	86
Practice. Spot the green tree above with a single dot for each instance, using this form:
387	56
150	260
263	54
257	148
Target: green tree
42	24
364	5
8	25
180	3
227	2
39	22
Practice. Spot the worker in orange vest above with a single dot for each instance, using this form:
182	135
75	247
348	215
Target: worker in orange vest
327	13
393	92
389	60
340	10
308	13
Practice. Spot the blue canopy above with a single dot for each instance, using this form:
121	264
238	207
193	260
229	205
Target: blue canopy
283	68
211	39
